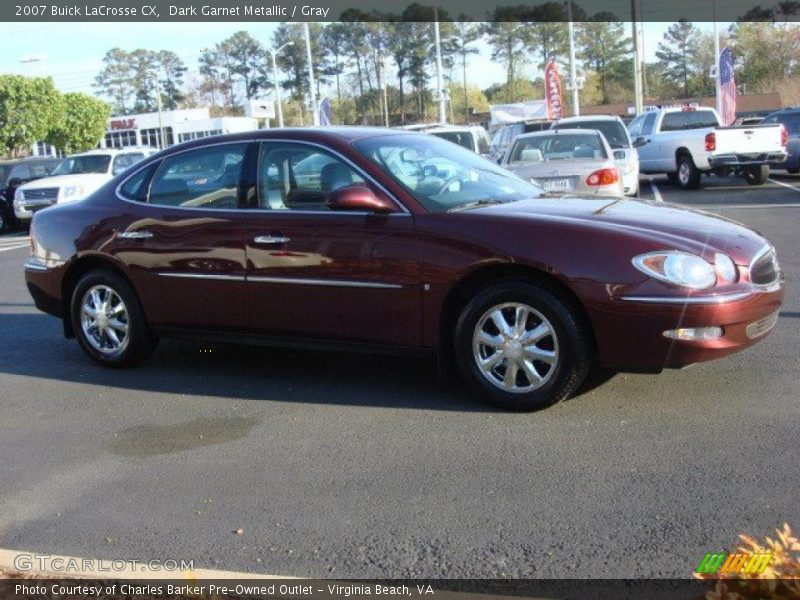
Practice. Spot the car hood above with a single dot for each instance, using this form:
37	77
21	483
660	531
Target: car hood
91	181
666	225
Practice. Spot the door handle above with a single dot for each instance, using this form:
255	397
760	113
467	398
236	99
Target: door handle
136	235
271	239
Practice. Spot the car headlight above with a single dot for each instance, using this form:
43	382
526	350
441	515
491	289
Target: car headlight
18	197
71	191
726	268
678	268
627	167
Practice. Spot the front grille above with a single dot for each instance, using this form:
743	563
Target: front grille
761	326
40	194
764	269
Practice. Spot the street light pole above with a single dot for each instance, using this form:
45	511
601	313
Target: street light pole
573	76
273	54
312	91
439	80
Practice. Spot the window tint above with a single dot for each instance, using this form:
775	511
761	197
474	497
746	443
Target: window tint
39	169
121	162
699	119
21	171
462	138
647	124
299	177
562	146
203	178
135	188
635	126
483	142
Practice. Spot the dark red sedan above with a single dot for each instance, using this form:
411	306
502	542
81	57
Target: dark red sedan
356	237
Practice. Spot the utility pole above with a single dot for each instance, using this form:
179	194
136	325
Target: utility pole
161	141
439	80
312	91
637	62
573	78
273	54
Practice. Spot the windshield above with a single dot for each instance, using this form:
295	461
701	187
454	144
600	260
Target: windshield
557	146
4	170
443	176
613	131
462	138
77	165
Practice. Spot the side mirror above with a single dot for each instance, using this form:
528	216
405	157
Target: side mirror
639	141
619	155
359	198
14	182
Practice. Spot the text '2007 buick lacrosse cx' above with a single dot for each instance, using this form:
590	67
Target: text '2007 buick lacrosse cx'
341	237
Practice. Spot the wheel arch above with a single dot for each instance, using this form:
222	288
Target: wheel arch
464	289
73	275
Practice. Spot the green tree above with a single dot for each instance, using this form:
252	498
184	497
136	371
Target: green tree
464	36
675	52
603	45
461	104
508	40
83	123
172	72
116	80
29	109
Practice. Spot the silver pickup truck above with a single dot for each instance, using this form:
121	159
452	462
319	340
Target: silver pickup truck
684	143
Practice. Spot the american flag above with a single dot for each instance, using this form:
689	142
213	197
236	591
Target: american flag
727	87
325	112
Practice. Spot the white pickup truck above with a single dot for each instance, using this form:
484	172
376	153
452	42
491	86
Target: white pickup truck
684	143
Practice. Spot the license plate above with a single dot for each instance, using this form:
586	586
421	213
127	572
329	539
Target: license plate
555	185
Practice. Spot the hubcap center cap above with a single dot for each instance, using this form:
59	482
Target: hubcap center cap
513	349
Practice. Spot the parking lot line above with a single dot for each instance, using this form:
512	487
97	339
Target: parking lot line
656	193
786	185
6	249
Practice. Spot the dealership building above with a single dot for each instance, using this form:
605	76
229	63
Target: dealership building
170	127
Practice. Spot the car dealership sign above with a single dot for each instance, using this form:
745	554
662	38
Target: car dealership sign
117	124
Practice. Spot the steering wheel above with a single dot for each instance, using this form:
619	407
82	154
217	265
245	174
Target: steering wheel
443	188
429	170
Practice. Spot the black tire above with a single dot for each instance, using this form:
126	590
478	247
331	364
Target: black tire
139	339
4	223
570	340
688	175
793	171
756	175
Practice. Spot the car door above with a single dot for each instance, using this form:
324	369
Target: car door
648	152
184	237
315	272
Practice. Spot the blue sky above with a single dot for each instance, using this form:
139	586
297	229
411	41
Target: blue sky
72	52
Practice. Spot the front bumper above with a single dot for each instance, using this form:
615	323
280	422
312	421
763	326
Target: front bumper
745	159
25	209
630	329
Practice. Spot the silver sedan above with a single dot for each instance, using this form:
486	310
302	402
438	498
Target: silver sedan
566	161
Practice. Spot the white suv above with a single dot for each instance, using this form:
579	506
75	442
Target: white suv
74	178
472	137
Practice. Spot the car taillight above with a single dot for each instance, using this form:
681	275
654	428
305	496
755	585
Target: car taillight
784	136
603	177
711	141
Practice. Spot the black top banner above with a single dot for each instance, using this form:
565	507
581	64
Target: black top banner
399	10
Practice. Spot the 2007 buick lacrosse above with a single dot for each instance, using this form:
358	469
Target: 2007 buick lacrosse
344	237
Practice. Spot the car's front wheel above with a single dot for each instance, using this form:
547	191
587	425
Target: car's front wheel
108	320
523	345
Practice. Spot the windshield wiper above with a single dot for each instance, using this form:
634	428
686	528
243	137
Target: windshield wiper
476	204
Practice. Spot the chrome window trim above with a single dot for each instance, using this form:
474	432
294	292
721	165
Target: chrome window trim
404	212
707	299
325	282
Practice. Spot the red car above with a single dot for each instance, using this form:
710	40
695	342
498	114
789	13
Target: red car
356	237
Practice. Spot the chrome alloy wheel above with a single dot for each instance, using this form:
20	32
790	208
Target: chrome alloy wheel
684	172
515	347
104	320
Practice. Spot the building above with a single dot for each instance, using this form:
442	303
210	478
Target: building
174	126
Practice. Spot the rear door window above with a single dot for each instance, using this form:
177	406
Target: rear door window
647	124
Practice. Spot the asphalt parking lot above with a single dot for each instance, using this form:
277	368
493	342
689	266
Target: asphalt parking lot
363	466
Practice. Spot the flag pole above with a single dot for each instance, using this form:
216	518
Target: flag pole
716	58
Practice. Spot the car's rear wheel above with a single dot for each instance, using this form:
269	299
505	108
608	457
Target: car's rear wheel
688	173
108	320
756	175
522	345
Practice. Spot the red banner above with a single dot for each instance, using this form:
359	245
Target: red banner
552	91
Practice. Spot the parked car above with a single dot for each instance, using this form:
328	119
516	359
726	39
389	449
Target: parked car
74	179
687	142
616	134
566	161
471	137
790	119
748	121
14	173
504	136
388	250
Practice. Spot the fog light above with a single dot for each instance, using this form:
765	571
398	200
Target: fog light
694	333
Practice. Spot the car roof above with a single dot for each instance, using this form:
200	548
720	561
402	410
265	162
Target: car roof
584	118
114	151
436	128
